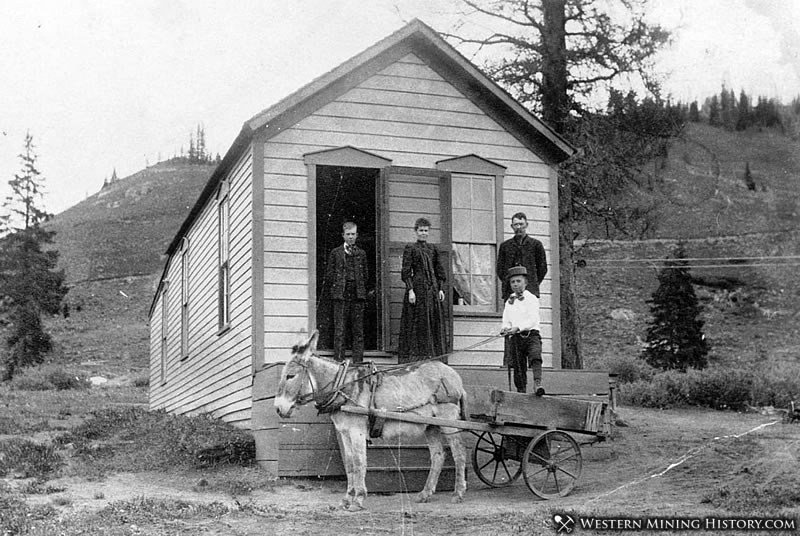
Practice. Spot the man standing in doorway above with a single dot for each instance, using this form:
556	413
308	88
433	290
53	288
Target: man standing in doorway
345	278
521	250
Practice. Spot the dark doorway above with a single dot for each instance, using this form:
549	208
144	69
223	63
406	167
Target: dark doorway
346	194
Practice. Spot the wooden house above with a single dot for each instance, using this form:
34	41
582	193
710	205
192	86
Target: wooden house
407	128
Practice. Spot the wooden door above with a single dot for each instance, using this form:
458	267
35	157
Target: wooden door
408	194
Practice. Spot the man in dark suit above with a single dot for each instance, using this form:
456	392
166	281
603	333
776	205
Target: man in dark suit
522	250
345	279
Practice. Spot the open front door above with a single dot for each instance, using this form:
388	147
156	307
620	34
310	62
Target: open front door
407	194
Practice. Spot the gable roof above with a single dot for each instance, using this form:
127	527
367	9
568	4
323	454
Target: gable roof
416	37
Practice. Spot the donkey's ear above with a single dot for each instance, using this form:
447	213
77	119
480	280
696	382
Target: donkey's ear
312	342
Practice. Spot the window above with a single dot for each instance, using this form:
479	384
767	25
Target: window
185	298
224	275
164	328
474	242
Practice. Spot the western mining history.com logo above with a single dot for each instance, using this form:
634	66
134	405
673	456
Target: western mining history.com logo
564	523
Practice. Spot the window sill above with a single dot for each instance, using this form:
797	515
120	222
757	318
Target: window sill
478	314
223	330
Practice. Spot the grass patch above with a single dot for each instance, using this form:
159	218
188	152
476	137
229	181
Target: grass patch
25	459
28	412
148	511
133	439
48	378
768	498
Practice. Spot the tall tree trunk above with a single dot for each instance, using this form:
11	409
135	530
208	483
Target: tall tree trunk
555	108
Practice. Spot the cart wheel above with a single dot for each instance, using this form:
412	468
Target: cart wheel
552	464
496	459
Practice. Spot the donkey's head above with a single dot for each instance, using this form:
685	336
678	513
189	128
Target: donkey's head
295	381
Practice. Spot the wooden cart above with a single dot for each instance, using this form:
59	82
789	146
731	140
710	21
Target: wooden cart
538	438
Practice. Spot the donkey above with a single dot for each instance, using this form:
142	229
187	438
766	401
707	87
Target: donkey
430	389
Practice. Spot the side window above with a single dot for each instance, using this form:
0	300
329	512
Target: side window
224	263
185	298
474	199
164	330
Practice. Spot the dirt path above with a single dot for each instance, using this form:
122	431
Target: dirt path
663	463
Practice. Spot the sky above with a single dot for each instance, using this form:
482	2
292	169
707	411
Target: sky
105	85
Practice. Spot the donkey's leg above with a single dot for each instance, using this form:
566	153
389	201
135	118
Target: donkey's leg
346	449
460	458
358	438
436	448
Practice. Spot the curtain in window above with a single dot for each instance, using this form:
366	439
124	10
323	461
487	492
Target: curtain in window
473	274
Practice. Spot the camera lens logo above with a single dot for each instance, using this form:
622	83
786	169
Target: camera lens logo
564	523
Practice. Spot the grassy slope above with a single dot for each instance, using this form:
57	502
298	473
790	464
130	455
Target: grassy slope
111	246
705	175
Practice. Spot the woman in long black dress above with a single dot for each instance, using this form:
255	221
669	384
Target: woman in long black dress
422	328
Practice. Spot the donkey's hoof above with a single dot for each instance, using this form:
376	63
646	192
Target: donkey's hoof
457	499
354	508
423	497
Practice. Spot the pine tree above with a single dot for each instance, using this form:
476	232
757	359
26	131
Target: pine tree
694	112
29	281
713	112
675	337
748	178
744	112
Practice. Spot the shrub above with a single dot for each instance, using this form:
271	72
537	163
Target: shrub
719	388
716	387
777	385
628	368
135	439
27	458
664	390
141	381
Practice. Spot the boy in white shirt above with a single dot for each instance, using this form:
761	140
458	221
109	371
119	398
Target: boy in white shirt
521	328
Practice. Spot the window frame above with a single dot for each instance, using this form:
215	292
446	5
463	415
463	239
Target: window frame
223	260
472	165
164	331
185	292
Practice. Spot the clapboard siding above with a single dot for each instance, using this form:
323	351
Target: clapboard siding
215	378
409	114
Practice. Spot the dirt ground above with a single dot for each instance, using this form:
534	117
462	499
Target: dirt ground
663	463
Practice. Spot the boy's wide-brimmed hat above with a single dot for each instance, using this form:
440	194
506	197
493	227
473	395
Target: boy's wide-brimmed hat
516	270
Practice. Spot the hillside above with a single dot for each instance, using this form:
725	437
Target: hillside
707	194
123	229
111	246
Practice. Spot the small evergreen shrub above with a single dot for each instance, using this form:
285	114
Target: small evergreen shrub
675	337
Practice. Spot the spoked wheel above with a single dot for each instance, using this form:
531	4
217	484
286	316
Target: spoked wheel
552	464
496	459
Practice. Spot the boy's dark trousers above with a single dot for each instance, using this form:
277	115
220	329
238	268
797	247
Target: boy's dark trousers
525	349
348	314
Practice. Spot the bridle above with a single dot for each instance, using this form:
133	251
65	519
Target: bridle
330	397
